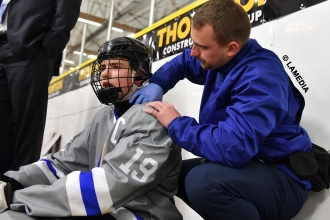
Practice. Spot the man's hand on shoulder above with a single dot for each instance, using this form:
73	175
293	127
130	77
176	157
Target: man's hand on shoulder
163	111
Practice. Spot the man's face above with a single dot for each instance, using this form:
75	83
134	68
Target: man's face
206	49
116	72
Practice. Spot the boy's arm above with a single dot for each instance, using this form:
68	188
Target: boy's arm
55	166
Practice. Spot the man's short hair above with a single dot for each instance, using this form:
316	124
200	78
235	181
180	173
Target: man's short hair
229	20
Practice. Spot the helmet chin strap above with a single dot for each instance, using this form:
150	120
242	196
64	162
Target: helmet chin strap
134	88
130	93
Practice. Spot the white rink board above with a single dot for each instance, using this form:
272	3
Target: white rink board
68	114
302	36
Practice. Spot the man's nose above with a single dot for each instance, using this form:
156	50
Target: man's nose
194	51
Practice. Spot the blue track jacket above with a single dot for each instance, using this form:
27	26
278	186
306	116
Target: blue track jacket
249	110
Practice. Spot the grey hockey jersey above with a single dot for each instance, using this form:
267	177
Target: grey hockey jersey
125	166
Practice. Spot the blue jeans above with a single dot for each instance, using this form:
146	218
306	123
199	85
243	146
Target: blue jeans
255	191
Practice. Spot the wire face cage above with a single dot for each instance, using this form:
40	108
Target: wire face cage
112	79
123	65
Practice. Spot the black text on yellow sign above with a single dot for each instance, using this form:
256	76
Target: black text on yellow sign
180	29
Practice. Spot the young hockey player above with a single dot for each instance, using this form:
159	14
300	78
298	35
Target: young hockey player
123	165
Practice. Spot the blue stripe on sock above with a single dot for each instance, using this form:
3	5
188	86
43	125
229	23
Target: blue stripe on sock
50	167
137	217
88	194
98	163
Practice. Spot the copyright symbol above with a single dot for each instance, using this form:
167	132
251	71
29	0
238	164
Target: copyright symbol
285	58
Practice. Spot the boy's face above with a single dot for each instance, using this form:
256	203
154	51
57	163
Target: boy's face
116	72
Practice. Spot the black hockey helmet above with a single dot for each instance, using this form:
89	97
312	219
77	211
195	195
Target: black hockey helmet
121	48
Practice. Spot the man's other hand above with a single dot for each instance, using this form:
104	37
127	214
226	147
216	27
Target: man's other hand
149	93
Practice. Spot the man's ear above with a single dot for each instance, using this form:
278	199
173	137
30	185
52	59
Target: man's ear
233	49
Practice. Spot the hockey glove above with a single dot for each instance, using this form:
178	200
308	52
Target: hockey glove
7	189
149	93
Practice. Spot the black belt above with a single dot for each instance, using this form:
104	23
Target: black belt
3	37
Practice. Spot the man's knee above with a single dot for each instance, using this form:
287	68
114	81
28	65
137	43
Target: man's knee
200	183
